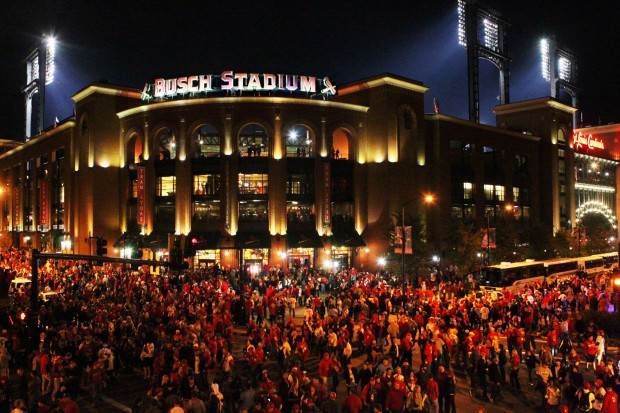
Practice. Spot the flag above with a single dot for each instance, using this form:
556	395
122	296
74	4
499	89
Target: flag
435	105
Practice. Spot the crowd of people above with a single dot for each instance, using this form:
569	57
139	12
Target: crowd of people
312	341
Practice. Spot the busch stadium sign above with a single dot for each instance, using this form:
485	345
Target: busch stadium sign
233	83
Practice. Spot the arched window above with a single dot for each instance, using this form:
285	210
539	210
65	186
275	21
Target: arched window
299	142
340	144
135	150
253	140
166	144
206	142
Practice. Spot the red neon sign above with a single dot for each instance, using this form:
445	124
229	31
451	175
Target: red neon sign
590	142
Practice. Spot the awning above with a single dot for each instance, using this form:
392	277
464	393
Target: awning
128	239
303	239
251	240
205	240
156	240
347	237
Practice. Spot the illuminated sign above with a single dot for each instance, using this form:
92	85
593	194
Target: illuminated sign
587	141
43	213
141	218
231	82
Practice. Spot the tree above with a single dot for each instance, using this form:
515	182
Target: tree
420	258
462	245
541	244
563	242
506	241
598	230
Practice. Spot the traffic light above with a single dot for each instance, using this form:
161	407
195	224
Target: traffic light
101	246
190	251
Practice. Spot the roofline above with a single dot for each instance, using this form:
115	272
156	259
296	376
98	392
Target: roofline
435	117
278	100
600	129
539	103
106	89
381	80
35	140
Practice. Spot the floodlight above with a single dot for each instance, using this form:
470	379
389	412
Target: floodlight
545	60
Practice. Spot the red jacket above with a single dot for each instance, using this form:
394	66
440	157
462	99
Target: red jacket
395	399
610	402
432	388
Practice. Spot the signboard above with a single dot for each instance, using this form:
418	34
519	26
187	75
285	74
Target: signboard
232	82
327	189
43	204
488	239
141	218
398	240
17	207
583	142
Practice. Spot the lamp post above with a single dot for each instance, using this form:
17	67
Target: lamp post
428	199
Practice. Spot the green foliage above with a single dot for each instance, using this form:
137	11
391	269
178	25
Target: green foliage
597	233
506	240
421	250
462	245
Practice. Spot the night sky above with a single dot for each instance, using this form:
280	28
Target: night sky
133	42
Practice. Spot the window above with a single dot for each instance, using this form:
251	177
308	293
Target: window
206	142
299	142
561	153
167	145
253	184
515	194
299	212
253	211
468	190
206	211
166	186
561	136
488	192
253	141
207	184
499	192
561	166
298	184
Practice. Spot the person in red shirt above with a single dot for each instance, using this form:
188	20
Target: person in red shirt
353	403
68	405
610	401
46	379
395	398
553	340
432	389
589	349
325	368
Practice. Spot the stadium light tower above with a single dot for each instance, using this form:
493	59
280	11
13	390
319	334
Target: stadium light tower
40	70
559	68
482	32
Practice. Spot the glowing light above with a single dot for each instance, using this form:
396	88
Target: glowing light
292	135
429	198
435	258
545	60
50	65
462	30
491	34
599	208
617	281
382	261
366	250
565	68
